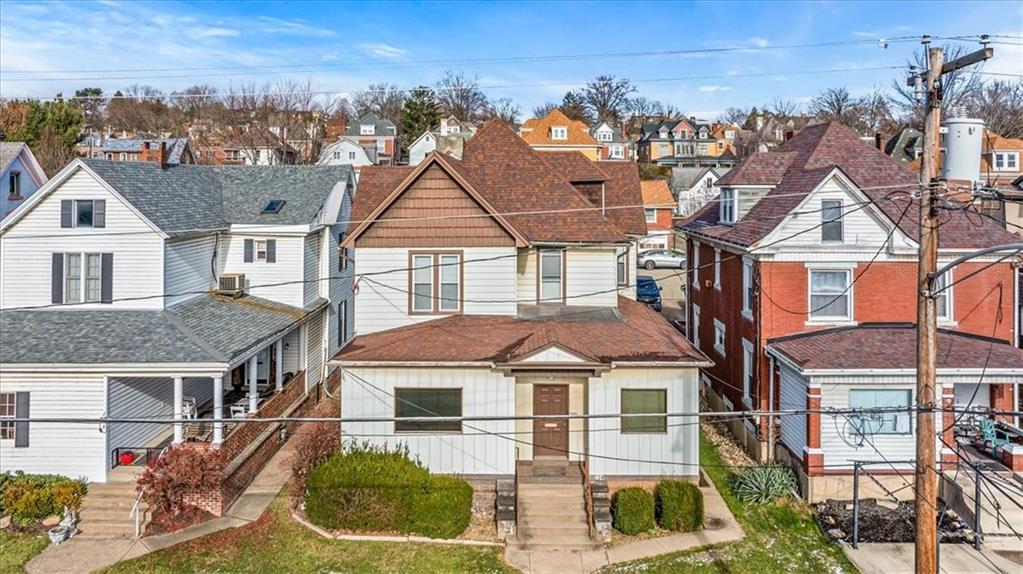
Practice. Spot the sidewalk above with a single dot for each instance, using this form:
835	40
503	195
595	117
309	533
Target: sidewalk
898	558
720	526
82	555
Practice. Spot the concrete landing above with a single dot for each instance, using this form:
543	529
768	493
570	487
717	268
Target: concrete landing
898	559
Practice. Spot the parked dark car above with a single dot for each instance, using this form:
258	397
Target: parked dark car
647	291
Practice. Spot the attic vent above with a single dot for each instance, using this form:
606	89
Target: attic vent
274	206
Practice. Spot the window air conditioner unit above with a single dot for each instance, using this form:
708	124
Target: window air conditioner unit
231	284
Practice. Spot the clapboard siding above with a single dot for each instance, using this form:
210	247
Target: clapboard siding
293	360
148	397
311	269
69	449
382	301
793	396
27	246
484	393
286	269
188	267
673	453
314	358
591	277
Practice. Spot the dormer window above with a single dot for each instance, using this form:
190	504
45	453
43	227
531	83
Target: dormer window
559	133
728	207
729	134
1006	160
367	129
604	136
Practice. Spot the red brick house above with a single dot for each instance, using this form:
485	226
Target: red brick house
805	250
657	204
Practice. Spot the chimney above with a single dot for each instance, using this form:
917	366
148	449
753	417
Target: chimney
692	119
162	158
877	140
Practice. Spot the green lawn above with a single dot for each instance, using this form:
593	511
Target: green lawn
276	543
17	549
780	537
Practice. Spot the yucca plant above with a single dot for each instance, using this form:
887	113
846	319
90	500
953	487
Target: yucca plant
764	483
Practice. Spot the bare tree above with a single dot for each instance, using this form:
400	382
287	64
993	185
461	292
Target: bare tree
504	109
1000	105
956	88
734	116
607	98
544	109
462	97
876	115
140	109
836	105
278	123
384	100
782	108
640	106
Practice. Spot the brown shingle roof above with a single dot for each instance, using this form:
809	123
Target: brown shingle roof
800	164
573	166
892	346
656	192
537	131
632	332
624	188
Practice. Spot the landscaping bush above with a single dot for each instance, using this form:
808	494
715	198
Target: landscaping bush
314	444
181	471
30	498
379	490
764	483
632	511
679	505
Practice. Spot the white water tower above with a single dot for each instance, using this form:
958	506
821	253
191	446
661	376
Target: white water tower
963	138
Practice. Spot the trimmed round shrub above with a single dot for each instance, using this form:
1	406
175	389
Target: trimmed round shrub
679	505
379	490
632	511
29	498
764	483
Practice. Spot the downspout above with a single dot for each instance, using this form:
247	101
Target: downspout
770	407
603	199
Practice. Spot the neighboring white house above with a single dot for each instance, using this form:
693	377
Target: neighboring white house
20	176
475	313
450	144
133	290
346	152
694	187
613	144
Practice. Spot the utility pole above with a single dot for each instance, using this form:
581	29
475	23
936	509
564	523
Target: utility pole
927	321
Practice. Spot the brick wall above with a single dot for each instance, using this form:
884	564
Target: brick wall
244	434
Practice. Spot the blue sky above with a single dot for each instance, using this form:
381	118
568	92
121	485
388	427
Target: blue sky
346	46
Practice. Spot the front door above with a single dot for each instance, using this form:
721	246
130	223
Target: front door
550	436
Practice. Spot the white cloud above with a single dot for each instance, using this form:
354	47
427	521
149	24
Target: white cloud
759	42
381	50
713	88
214	32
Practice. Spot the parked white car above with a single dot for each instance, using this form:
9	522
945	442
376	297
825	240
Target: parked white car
653	258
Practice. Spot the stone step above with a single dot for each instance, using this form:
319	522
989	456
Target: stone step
554	525
548	509
107	528
550	490
107	514
108	500
553	541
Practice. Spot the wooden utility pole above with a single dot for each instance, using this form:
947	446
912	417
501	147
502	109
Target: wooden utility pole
927	319
927	327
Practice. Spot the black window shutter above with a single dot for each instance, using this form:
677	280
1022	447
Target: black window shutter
248	251
271	250
106	290
21	412
57	279
99	213
66	207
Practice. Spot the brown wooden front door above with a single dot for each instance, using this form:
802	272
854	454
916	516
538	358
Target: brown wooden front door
550	436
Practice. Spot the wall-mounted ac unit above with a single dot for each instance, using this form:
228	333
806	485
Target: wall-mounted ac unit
231	284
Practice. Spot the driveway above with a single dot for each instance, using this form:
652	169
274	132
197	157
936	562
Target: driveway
672	292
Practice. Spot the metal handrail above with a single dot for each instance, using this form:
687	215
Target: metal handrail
135	512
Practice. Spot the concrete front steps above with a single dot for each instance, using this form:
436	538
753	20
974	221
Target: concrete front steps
106	508
551	508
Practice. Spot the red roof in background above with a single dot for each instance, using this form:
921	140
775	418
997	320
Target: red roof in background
801	164
892	346
631	332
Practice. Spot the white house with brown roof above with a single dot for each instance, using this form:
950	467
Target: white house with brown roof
502	285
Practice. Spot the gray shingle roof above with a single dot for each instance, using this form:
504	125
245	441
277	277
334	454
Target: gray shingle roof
181	199
383	127
206	328
9	151
175	146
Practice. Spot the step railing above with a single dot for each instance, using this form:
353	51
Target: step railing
588	495
136	512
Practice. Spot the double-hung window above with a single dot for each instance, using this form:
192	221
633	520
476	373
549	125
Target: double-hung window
427	403
559	133
696	265
552	277
719	337
93	277
943	296
342	252
622	266
342	323
337	155
747	371
747	287
436	281
653	402
1006	160
880	411
696	325
717	269
72	277
830	294
14	179
351	155
82	277
7	408
727	207
831	220
651	214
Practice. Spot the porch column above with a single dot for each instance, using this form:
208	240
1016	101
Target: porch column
279	364
179	430
946	431
218	409
252	369
813	456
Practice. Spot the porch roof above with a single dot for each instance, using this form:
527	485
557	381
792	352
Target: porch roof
206	329
630	332
891	346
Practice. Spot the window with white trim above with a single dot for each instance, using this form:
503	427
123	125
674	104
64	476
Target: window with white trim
337	154
436	282
719	337
551	275
351	155
747	287
260	249
1006	160
717	269
880	422
559	133
72	277
831	221
943	298
651	214
622	266
93	277
728	205
696	265
696	325
7	408
830	294
342	323
367	129
14	181
747	370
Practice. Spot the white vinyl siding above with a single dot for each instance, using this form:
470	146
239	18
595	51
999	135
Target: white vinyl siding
383	303
678	448
591	278
188	267
310	268
287	268
484	393
148	397
792	397
26	248
314	350
69	449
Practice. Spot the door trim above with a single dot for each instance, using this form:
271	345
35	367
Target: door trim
560	437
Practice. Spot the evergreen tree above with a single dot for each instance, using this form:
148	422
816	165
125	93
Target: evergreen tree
420	113
574	107
751	120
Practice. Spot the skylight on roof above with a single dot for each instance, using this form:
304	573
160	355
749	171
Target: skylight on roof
274	206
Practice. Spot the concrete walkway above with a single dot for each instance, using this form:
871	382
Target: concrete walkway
82	554
898	558
719	526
